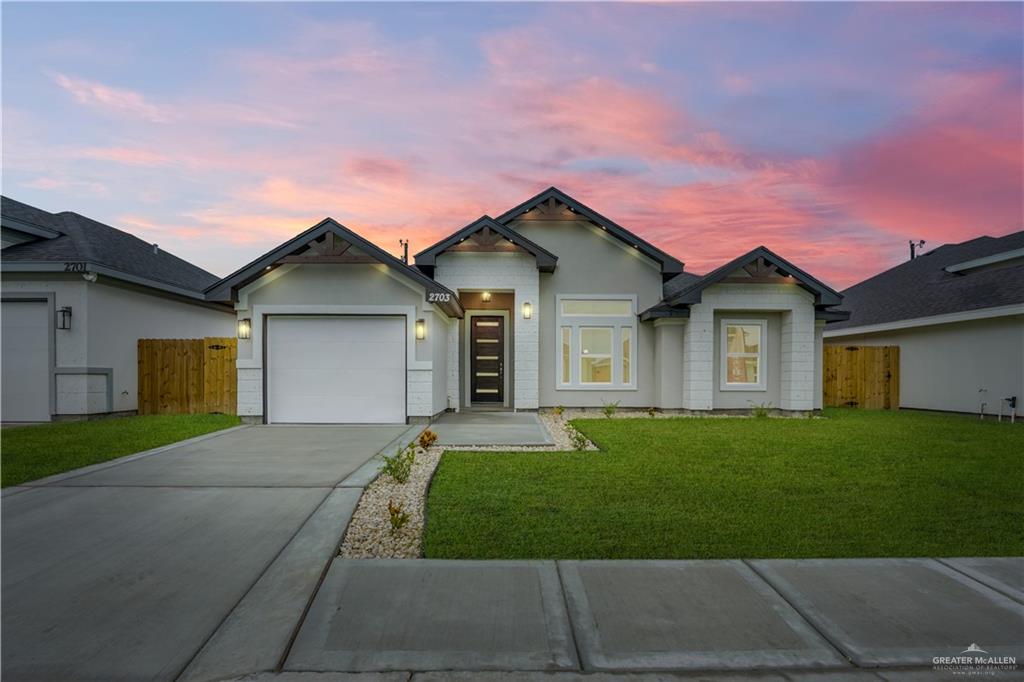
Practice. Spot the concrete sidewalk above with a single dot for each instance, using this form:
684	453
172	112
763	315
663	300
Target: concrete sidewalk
471	427
842	619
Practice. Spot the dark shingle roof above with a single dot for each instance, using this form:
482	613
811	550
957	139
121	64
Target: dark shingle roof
681	281
84	239
921	288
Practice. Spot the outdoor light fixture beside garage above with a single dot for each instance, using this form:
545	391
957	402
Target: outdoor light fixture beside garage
421	330
244	328
64	317
527	310
485	297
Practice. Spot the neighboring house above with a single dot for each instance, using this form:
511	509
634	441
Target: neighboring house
548	304
957	315
77	295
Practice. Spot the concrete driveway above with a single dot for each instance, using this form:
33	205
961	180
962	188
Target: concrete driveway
124	573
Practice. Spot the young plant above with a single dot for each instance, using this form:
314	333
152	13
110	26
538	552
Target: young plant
579	441
398	516
427	438
399	466
651	412
760	410
558	410
609	409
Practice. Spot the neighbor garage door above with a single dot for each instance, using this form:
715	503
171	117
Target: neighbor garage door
335	370
26	361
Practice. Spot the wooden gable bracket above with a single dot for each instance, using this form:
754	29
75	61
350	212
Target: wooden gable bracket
552	209
486	241
760	272
331	250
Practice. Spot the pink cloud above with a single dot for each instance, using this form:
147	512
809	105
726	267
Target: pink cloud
124	155
111	99
953	171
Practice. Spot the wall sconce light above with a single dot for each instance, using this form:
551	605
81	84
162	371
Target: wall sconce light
421	330
527	310
245	328
64	317
485	297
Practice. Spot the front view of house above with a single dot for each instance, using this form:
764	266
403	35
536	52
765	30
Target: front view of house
548	304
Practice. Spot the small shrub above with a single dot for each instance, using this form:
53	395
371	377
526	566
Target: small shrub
398	516
558	410
651	412
399	466
579	441
609	409
760	410
427	438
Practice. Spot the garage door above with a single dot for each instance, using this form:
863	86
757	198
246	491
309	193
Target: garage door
335	370
25	372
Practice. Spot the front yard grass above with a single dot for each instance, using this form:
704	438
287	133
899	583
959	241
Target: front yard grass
852	484
31	452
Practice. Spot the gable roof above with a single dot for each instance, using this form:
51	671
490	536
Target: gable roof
545	259
15	215
923	287
680	292
102	248
227	288
669	264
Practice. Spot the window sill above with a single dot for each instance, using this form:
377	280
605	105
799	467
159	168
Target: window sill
749	388
598	387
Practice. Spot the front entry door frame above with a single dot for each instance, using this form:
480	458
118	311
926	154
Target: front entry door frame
467	345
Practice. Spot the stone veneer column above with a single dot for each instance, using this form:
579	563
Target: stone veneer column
698	356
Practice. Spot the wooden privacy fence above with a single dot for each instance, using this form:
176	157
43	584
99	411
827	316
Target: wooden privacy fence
186	376
862	376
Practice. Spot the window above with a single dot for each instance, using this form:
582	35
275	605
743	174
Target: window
743	355
595	342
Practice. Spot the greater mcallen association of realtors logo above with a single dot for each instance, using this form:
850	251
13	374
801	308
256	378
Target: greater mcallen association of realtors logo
974	661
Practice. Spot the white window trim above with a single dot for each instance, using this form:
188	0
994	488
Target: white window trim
762	356
616	322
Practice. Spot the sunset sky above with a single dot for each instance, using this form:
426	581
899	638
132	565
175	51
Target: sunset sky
831	133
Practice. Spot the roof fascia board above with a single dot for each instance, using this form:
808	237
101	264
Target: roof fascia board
985	260
669	264
659	312
824	295
225	289
113	273
28	228
545	259
931	320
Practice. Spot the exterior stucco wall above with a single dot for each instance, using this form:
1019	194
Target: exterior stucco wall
336	290
98	356
592	262
668	363
505	272
947	366
796	366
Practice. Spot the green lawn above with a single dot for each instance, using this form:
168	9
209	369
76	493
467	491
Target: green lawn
852	484
31	452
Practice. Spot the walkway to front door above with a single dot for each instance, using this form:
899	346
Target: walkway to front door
491	428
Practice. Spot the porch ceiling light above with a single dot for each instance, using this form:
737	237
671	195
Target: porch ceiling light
245	328
485	297
421	330
527	310
64	317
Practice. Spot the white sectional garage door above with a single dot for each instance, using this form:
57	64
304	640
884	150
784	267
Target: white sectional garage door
26	361
335	370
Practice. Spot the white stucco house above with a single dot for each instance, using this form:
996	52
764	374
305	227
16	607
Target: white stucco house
548	304
76	297
957	315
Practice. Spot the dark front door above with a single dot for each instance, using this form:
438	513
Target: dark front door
487	359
